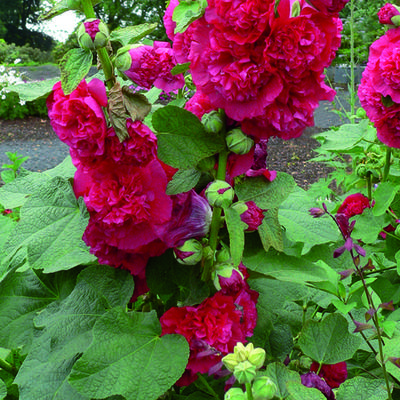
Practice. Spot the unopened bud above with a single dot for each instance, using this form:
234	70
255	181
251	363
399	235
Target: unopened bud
190	253
223	270
230	361
244	372
241	352
263	388
93	34
235	394
220	194
257	357
238	142
213	121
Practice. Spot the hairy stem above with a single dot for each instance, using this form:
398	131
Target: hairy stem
387	164
352	80
249	391
8	367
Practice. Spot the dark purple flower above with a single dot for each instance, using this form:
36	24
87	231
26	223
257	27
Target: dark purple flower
361	326
349	245
316	212
312	380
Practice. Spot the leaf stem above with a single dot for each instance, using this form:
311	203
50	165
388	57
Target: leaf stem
387	164
8	367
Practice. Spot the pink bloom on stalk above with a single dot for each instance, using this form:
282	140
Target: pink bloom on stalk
253	216
78	118
213	328
151	65
92	27
353	205
386	13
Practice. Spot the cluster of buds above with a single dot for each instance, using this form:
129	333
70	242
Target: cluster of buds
93	34
244	363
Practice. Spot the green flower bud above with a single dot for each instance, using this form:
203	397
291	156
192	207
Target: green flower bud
224	270
213	121
361	113
245	372
220	194
241	352
235	394
230	361
189	82
238	142
93	34
263	388
190	253
257	357
397	231
223	255
362	171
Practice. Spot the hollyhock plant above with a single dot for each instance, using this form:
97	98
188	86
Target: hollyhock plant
151	65
78	118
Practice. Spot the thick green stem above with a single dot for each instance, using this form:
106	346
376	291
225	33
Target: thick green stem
249	391
387	164
369	186
8	367
101	53
352	80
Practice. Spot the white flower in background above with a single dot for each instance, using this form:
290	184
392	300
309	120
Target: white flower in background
3	97
17	60
22	102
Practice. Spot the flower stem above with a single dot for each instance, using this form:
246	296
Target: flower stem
249	391
387	164
369	185
8	367
101	53
352	80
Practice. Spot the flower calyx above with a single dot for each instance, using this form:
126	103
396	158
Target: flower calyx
93	34
238	142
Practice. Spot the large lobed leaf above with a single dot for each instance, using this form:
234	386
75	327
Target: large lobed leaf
51	228
128	357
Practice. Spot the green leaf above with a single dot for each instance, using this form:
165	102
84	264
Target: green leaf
132	34
348	138
129	357
3	390
51	228
299	224
33	90
182	140
391	349
153	94
187	12
22	296
180	68
264	193
7	176
236	234
360	388
74	66
281	376
343	308
66	332
328	341
297	391
368	226
183	181
383	196
64	170
63	6
270	231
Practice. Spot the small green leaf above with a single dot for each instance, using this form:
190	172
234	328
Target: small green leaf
153	94
383	196
297	391
74	66
361	388
33	90
264	193
180	68
183	181
187	12
3	390
129	357
63	6
281	376
328	341
132	34
236	234
368	226
270	231
51	228
343	308
7	176
182	140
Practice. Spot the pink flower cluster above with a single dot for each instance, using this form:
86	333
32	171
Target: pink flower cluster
123	184
151	66
379	91
263	66
214	327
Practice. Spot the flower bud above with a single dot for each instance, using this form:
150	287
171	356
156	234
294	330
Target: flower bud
257	357
235	394
238	142
230	361
223	270
93	34
263	388
223	255
213	121
123	59
362	171
244	372
397	231
241	352
389	14
190	253
220	194
250	214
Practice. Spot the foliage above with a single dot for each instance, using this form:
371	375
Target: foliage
26	53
